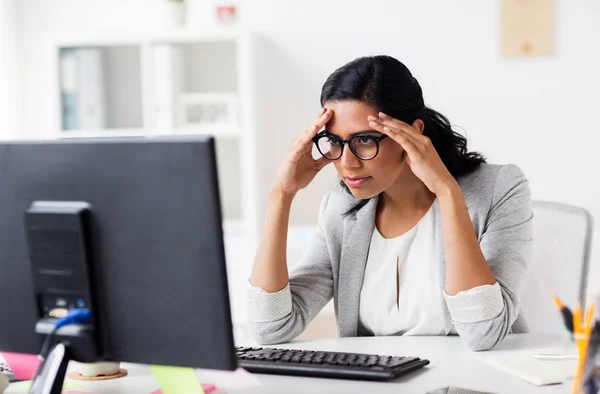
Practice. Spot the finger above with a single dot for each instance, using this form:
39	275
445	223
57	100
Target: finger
387	129
319	122
400	130
301	150
323	119
321	112
322	162
395	127
389	120
312	130
401	138
303	145
394	123
309	133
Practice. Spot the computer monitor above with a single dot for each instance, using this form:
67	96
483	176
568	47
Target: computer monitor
156	246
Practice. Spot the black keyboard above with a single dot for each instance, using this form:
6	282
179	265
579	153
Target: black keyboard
325	364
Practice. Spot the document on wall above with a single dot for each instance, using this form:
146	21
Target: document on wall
528	27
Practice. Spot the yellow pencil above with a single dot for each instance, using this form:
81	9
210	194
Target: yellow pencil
577	334
589	318
577	319
582	340
566	314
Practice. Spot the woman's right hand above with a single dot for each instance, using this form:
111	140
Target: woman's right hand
299	168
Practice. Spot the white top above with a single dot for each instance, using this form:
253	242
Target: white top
402	293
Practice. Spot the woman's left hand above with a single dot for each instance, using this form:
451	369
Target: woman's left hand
420	154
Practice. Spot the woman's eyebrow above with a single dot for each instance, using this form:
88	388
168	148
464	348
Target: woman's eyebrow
371	131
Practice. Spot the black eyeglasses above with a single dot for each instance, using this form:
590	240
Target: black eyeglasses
365	147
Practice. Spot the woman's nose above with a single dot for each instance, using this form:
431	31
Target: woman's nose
348	159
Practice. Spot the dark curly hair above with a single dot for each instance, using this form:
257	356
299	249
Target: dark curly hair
388	85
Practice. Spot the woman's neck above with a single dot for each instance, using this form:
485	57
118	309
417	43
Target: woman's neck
408	195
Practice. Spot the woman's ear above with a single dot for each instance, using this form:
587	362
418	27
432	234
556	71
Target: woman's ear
419	125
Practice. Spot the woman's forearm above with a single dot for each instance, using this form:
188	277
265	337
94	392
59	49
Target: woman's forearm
269	271
466	266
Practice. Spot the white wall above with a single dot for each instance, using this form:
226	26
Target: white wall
538	113
9	92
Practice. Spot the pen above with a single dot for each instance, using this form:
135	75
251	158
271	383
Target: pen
566	314
584	328
555	357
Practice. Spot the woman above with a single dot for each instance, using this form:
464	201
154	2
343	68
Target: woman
424	238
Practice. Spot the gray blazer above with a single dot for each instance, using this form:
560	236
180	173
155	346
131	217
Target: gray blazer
499	203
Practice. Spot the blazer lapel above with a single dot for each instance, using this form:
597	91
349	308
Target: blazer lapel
441	257
358	230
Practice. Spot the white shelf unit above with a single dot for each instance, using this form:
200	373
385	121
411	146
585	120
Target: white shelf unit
143	76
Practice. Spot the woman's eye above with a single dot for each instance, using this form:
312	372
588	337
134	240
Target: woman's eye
365	140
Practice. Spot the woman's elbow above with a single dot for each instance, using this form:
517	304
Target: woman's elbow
265	339
479	337
272	333
482	344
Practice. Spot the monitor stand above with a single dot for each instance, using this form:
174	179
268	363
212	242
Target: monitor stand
58	234
51	375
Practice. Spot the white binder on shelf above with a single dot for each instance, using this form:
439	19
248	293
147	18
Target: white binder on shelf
91	105
83	86
167	62
68	89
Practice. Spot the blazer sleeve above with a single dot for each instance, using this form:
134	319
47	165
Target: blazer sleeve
281	316
484	316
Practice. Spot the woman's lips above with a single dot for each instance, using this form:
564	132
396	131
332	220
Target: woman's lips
356	181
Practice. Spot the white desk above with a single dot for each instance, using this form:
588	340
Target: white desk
451	365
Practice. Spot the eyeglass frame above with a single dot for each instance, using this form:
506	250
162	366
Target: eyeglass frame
322	134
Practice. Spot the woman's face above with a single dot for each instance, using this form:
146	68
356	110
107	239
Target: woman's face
364	178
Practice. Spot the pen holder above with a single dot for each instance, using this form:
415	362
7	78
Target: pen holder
587	380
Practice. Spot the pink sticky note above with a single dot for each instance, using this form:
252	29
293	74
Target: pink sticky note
23	366
76	392
208	388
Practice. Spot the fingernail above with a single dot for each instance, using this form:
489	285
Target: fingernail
381	114
372	124
386	128
371	117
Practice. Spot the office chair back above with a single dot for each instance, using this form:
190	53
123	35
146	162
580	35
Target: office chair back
562	239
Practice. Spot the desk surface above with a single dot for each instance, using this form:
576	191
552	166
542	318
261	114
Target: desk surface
451	365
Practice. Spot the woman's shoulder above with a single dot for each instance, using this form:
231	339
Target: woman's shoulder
492	181
336	203
489	173
335	206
